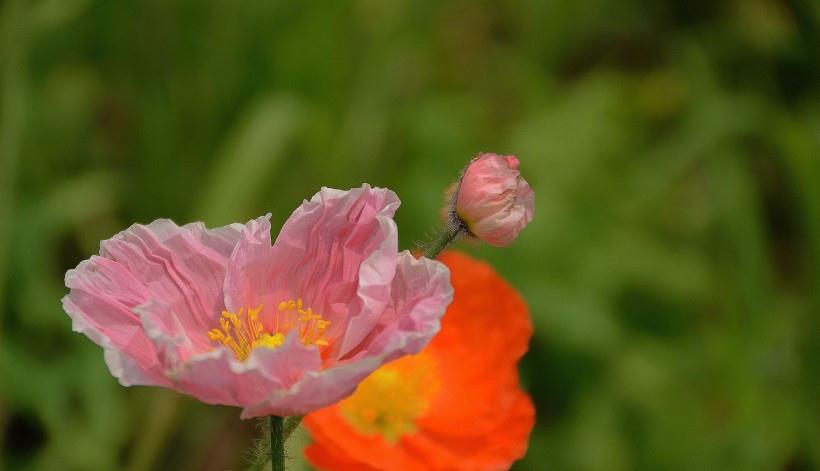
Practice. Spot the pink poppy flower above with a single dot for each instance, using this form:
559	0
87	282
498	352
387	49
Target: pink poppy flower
491	200
282	329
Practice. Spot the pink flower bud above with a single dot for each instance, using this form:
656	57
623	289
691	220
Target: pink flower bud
492	201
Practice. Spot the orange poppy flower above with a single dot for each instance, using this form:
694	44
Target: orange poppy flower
455	406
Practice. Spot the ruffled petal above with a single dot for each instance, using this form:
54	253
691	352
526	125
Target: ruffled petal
502	228
487	312
183	269
315	390
493	200
337	252
337	442
496	450
420	294
217	377
100	304
174	272
488	328
328	459
250	278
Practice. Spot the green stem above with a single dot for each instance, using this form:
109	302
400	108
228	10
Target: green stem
447	236
277	443
290	425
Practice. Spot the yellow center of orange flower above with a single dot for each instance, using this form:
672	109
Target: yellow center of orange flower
391	400
243	331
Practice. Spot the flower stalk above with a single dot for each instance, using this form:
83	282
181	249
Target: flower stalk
273	435
277	443
447	236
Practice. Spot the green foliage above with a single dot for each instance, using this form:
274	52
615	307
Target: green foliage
673	267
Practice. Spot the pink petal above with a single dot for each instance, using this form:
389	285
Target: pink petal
493	200
337	252
421	294
251	276
182	267
99	304
173	274
317	389
218	378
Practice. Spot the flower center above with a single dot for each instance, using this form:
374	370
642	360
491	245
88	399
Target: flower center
392	398
243	331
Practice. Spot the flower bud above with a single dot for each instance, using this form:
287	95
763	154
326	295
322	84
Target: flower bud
492	201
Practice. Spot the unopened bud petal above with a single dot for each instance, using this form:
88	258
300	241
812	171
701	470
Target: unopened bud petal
492	201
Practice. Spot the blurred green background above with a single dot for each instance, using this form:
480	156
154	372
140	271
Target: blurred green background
673	267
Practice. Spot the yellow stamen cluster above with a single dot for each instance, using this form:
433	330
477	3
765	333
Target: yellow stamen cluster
243	331
391	400
293	315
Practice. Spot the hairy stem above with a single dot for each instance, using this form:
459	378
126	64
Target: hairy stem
447	236
277	443
264	455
